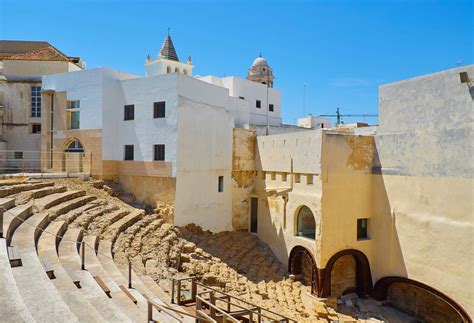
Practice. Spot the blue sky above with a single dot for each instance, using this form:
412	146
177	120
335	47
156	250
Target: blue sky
342	50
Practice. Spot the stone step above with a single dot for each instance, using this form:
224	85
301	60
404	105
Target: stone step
70	205
49	201
38	292
134	312
99	225
86	218
7	203
15	189
74	297
72	215
24	197
13	218
139	289
13	309
71	261
112	232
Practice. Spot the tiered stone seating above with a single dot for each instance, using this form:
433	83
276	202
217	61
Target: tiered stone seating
46	224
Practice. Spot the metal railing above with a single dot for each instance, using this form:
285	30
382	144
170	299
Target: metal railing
28	162
232	306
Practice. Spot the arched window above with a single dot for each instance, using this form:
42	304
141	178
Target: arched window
305	224
176	70
168	69
74	147
185	72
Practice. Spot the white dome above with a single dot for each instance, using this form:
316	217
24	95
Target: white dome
260	61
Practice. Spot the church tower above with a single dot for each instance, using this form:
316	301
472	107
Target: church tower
260	72
167	61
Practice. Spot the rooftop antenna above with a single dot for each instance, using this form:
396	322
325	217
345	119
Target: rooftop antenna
168	31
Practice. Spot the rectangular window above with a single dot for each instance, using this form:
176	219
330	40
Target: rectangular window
297	178
159	152
284	177
128	152
253	214
129	112
241	97
271	107
73	114
273	176
258	104
220	184
36	101
18	155
75	117
36	128
309	179
362	229
159	109
264	174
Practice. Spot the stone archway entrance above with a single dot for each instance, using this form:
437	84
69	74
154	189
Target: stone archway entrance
419	300
73	155
301	264
349	267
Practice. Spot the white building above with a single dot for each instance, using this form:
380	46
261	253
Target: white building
167	129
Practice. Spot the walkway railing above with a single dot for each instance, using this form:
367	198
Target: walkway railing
220	304
17	162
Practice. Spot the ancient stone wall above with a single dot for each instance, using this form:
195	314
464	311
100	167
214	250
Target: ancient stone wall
243	165
343	275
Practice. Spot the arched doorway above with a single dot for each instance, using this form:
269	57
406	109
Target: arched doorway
72	160
305	223
419	299
353	263
301	264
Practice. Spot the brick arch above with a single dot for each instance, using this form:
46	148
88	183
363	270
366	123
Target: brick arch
294	265
363	275
380	292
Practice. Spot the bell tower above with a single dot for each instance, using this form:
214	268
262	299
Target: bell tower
261	72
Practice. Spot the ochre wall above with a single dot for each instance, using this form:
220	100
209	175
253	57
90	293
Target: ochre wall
243	165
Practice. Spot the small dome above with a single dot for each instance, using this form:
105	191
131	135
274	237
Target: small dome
260	61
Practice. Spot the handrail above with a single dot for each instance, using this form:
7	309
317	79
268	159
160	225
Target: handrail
208	289
258	313
163	308
199	299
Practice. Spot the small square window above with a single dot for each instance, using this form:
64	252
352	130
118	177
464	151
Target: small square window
297	178
362	229
309	179
258	104
241	97
18	155
284	177
159	152
128	152
129	112
220	184
271	107
36	128
159	109
273	176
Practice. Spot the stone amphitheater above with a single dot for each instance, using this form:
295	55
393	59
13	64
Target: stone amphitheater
46	224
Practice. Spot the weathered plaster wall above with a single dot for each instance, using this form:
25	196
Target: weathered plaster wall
281	198
151	190
243	165
37	68
347	162
426	220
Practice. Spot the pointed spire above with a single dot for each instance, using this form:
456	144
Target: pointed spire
167	51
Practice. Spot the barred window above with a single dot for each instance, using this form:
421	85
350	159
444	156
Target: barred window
36	101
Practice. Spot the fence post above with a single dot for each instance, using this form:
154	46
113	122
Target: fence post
129	274
83	256
193	289
150	312
172	291
212	309
178	296
1	222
